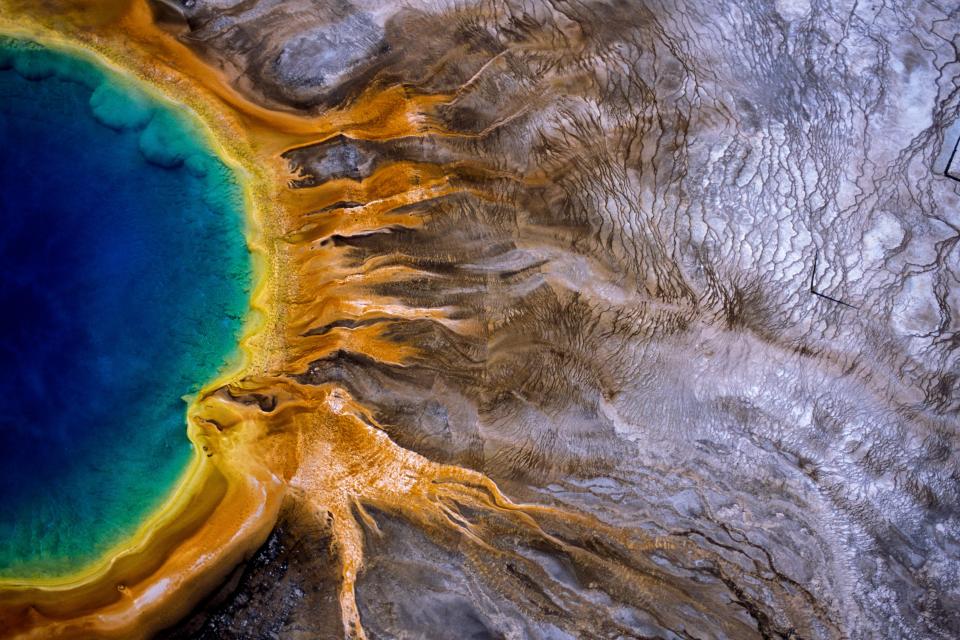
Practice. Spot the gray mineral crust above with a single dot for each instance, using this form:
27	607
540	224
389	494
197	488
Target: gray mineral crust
720	296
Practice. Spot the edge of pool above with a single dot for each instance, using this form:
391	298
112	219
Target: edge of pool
222	507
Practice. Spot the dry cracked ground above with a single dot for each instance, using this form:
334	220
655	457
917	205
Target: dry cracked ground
711	252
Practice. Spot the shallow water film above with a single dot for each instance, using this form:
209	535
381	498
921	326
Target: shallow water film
560	320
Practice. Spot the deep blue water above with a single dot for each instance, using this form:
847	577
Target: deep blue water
124	281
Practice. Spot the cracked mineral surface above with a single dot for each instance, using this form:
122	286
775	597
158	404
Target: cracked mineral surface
597	318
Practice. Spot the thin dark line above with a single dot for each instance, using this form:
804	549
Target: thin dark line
946	170
823	295
813	277
813	274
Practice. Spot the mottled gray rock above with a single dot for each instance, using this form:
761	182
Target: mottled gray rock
286	591
338	158
322	56
289	52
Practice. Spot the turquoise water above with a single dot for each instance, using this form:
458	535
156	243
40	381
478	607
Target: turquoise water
124	284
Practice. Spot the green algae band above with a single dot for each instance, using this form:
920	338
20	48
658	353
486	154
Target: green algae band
124	282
